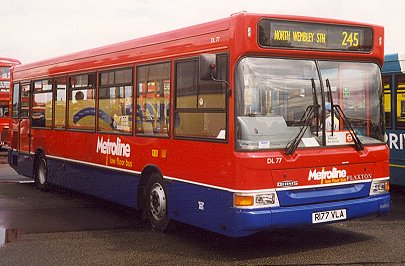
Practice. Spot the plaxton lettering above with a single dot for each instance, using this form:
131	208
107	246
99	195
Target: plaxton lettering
114	148
359	177
335	173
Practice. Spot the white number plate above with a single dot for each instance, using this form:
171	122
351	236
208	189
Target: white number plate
328	216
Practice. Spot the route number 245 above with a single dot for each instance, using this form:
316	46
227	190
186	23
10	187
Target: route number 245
350	38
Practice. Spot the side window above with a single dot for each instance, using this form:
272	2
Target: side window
400	108
115	101
25	100
16	101
200	110
153	100
81	102
5	74
60	85
42	104
387	100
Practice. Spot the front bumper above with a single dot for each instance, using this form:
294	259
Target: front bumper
255	220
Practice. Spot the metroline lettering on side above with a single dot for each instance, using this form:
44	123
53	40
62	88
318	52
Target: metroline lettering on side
114	148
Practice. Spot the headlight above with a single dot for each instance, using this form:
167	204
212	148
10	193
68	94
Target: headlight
379	187
256	200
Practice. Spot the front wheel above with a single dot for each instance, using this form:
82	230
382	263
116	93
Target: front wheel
156	206
41	173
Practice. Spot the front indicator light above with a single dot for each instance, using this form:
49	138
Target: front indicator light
243	201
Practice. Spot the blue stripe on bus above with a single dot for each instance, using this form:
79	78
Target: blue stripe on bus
118	187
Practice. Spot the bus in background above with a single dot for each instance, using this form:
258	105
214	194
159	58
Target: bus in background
219	125
5	81
393	74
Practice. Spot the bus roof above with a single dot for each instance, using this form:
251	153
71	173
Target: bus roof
117	54
394	63
141	42
4	61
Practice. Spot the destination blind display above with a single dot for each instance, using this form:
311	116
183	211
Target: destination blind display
304	35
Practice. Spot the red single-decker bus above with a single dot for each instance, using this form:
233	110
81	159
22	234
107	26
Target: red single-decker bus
236	126
5	66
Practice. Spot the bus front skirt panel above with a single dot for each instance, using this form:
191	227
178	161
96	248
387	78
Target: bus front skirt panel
257	220
211	209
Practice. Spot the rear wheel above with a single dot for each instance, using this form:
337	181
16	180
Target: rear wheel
41	173
156	206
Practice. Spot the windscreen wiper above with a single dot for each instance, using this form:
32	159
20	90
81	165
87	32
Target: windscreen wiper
357	142
311	112
332	112
307	119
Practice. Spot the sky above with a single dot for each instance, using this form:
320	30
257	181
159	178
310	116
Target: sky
41	29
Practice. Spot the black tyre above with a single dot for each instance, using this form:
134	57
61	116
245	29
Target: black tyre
156	206
41	173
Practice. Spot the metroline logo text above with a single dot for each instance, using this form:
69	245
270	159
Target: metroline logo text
326	175
117	148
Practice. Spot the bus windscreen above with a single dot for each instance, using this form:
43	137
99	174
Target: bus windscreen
314	36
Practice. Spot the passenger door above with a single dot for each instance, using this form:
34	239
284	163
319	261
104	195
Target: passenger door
20	138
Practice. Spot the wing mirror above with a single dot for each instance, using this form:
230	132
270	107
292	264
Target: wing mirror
208	67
